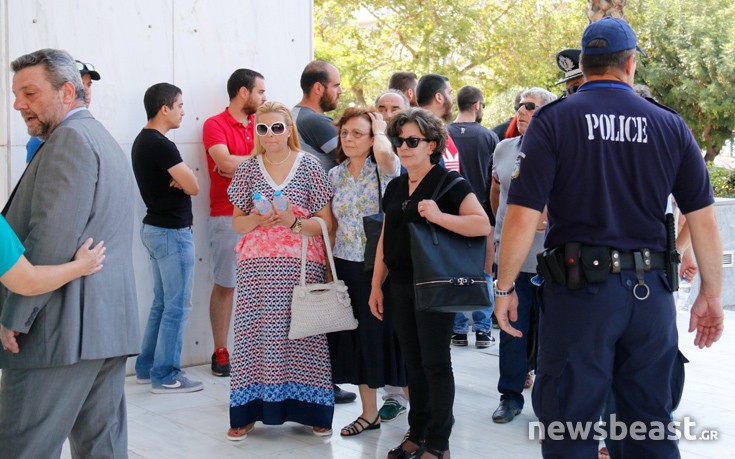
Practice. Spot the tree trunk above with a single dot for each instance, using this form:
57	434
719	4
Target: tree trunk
598	9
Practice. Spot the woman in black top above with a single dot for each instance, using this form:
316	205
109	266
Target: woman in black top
420	139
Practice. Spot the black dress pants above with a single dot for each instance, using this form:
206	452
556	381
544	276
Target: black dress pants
424	339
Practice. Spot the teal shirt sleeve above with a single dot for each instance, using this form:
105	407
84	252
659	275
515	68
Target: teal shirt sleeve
10	247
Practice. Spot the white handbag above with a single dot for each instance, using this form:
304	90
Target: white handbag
320	308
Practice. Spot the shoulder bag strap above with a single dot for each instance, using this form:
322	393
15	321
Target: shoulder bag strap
304	246
380	190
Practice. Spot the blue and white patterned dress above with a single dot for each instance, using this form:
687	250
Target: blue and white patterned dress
274	379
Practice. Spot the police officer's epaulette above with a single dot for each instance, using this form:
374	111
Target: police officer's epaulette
655	102
543	107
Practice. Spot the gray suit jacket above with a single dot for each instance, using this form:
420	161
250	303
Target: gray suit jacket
79	186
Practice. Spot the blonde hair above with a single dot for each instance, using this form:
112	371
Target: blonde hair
277	107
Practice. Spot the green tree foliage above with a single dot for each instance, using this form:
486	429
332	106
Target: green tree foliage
501	46
691	63
498	46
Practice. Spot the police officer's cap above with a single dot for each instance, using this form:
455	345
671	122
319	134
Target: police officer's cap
615	31
568	62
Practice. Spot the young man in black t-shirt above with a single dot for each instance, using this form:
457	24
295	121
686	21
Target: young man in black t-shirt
166	185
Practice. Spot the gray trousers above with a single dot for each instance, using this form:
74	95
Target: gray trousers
85	402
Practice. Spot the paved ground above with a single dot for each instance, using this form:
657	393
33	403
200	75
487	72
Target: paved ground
194	425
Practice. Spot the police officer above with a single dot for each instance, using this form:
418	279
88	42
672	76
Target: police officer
568	61
608	318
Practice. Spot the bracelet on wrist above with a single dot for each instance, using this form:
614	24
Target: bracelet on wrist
499	292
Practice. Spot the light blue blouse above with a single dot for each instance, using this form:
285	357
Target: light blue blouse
354	199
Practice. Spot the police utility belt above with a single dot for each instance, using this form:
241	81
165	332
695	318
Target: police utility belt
575	265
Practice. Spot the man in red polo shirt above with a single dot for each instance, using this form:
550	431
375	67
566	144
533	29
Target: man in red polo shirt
228	140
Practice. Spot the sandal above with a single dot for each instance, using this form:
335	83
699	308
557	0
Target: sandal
435	452
359	426
399	453
239	433
321	431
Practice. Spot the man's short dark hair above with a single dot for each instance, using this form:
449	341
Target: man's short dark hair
428	86
599	64
242	78
402	81
157	96
467	96
315	72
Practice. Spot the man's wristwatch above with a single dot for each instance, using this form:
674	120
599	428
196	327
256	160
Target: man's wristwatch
296	227
499	292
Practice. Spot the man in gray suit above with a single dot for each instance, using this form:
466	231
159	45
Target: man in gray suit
64	371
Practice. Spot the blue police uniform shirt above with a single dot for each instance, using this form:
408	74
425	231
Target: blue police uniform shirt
605	161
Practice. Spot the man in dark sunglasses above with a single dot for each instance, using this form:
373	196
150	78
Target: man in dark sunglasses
514	365
568	61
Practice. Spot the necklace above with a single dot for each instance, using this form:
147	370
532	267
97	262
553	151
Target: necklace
277	162
413	181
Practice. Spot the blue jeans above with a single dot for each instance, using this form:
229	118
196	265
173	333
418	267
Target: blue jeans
481	321
172	258
513	351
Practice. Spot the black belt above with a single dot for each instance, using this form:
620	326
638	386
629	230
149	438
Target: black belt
626	260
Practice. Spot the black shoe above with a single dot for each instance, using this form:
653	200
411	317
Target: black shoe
343	396
221	362
459	339
506	411
483	340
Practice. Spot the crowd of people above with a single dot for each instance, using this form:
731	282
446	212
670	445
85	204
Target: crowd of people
549	181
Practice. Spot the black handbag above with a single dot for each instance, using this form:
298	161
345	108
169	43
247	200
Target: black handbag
373	225
448	268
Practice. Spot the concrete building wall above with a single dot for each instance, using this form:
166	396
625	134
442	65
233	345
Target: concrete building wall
194	44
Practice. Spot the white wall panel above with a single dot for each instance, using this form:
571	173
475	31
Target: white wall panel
195	45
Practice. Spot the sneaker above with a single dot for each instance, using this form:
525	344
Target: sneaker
495	322
459	339
180	384
391	409
483	340
142	380
221	362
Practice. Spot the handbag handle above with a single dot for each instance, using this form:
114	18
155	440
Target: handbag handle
438	193
304	245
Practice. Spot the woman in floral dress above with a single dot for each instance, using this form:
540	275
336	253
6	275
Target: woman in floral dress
275	379
368	356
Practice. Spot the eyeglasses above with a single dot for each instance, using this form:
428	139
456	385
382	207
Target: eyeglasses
355	134
530	106
277	128
411	142
81	66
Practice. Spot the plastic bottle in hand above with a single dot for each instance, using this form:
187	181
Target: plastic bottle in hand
280	201
262	204
682	296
